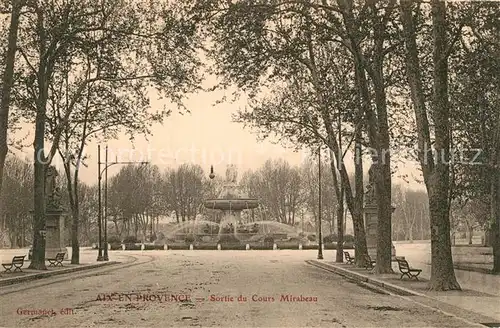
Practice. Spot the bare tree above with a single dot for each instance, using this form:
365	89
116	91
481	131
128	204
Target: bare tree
8	82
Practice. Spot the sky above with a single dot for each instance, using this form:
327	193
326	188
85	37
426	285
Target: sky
205	136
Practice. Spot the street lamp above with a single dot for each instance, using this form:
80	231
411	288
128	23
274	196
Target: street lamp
100	257
212	174
99	215
320	234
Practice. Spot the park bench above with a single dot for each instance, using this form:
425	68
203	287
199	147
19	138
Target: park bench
57	260
405	270
348	258
17	262
369	263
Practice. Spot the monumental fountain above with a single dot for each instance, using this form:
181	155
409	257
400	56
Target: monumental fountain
230	228
231	201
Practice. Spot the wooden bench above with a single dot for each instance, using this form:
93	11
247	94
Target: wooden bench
348	258
405	270
57	260
17	262
369	263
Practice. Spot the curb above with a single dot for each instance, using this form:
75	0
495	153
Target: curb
472	269
397	290
357	276
465	267
41	275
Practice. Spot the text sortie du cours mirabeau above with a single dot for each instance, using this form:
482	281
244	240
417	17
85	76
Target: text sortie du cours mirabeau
138	297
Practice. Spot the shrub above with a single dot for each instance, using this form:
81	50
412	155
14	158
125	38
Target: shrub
178	247
348	245
205	247
114	239
269	240
311	237
131	240
153	247
228	239
189	239
132	247
348	238
330	238
233	247
115	247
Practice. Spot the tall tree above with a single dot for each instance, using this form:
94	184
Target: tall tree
369	62
124	45
495	199
436	171
8	82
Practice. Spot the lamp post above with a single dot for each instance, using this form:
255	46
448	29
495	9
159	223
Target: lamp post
100	257
106	257
99	215
320	235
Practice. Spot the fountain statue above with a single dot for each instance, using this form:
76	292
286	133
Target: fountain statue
231	174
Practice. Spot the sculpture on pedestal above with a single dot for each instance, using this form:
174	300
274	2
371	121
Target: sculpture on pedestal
370	187
371	214
52	192
54	223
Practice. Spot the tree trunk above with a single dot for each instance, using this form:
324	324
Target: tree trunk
117	230
495	211
7	82
340	227
357	213
38	259
339	257
75	245
73	203
443	273
495	199
383	166
470	232
377	124
436	173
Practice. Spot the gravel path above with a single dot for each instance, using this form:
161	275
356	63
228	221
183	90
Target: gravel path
203	288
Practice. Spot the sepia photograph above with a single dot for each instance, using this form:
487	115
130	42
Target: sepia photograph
250	163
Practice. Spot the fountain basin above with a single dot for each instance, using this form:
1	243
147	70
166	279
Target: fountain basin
232	204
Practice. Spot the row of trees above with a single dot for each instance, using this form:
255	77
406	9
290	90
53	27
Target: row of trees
16	219
362	78
374	77
139	196
77	70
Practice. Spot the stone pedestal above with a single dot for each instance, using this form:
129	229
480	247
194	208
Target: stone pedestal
371	220
54	238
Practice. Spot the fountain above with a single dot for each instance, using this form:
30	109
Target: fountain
231	200
230	229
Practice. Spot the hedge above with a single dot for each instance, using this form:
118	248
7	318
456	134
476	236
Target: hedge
149	247
133	247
